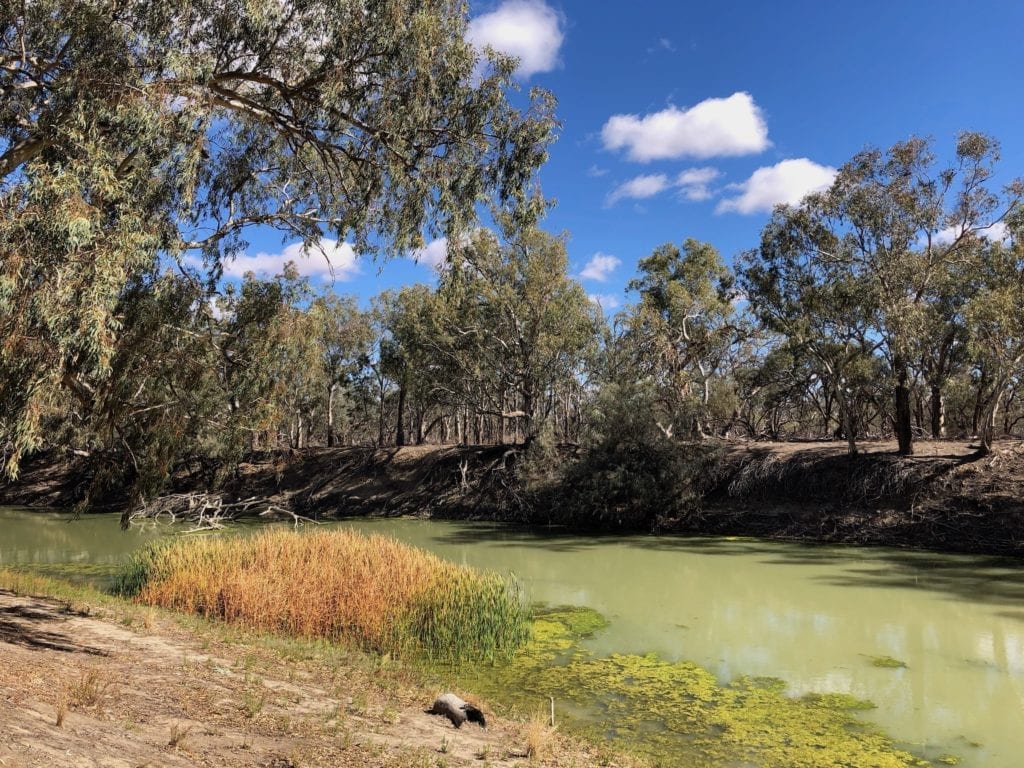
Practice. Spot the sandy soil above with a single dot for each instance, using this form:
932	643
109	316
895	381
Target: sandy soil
127	688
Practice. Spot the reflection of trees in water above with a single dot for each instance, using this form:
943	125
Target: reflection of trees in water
31	537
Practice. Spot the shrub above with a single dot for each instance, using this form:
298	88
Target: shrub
632	475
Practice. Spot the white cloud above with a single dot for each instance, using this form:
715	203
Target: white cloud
215	310
663	44
996	232
596	172
713	128
693	183
530	30
600	267
639	188
327	259
605	301
786	183
434	254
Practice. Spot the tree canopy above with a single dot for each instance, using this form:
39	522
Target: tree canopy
136	136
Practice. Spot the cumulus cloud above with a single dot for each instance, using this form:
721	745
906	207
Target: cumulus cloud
434	254
693	183
530	30
605	301
786	183
713	128
327	259
997	232
600	267
639	188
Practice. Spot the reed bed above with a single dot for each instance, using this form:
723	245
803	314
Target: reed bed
372	591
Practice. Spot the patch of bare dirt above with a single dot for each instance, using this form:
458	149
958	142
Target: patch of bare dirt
129	689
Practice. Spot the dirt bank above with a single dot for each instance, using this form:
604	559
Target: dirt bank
946	497
113	685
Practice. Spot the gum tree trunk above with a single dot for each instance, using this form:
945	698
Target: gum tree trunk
904	414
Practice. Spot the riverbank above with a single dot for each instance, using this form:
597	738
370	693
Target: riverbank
92	681
946	498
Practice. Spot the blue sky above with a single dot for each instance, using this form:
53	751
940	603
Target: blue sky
691	119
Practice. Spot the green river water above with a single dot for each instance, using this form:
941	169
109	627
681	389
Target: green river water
822	619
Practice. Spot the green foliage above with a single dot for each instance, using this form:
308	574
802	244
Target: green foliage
479	618
865	266
684	326
519	326
631	474
211	118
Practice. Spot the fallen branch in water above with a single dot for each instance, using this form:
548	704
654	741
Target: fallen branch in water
208	511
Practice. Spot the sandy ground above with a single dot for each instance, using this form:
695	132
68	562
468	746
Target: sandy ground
139	689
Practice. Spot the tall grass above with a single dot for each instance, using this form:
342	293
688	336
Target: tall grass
372	591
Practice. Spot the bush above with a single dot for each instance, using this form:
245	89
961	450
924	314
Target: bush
632	475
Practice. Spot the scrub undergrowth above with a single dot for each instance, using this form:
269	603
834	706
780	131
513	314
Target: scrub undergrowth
372	591
677	713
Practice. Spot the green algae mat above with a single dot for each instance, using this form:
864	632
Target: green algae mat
677	713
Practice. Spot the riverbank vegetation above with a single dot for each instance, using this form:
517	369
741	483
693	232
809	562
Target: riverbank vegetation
887	306
369	591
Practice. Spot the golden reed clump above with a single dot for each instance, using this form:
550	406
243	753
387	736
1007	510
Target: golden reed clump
372	591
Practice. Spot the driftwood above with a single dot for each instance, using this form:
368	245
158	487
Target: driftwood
457	710
208	511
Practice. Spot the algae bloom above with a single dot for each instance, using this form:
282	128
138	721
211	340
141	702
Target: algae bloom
677	713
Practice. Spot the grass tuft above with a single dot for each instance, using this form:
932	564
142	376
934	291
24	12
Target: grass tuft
179	733
373	591
539	735
90	691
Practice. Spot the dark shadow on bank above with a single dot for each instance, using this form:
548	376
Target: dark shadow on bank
25	626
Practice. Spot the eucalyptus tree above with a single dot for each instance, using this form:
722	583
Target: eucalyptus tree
138	133
888	229
409	354
523	325
995	319
686	324
272	360
164	395
813	303
344	336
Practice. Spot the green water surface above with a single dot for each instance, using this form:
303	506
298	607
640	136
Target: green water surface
935	642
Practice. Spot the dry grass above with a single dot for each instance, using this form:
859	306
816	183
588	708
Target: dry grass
90	691
62	708
373	591
539	736
179	733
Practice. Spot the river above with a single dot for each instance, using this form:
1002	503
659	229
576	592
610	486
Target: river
818	617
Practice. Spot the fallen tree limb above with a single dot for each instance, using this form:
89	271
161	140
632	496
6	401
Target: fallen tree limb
208	511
